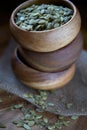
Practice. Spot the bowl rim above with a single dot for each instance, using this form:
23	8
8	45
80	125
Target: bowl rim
79	36
74	8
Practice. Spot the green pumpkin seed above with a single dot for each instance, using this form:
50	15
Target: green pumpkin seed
74	117
50	104
32	117
51	127
42	22
45	120
66	123
69	105
61	117
56	25
31	123
38	116
26	127
19	124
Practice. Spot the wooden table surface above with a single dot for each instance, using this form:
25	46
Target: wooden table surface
7	100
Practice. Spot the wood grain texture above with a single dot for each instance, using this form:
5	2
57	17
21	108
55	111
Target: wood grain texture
54	61
50	40
8	100
37	79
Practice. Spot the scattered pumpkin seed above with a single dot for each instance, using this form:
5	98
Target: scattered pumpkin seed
27	127
66	123
74	117
39	110
51	127
17	106
61	117
31	123
45	120
39	99
32	118
38	116
50	104
59	125
19	124
69	105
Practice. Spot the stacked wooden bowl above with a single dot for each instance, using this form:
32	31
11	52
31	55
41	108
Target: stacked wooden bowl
47	59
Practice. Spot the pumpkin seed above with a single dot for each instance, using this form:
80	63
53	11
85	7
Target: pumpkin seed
50	104
31	123
38	116
39	110
66	123
27	127
61	117
69	105
45	120
74	117
16	106
49	26
58	125
51	127
56	25
20	124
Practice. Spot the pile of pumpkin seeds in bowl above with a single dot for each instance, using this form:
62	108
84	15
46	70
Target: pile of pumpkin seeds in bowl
42	17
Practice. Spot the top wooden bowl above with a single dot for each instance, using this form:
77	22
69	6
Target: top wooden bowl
47	40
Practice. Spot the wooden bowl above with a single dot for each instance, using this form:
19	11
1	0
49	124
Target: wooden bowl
37	79
54	61
48	40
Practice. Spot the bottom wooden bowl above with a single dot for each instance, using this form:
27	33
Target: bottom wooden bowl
37	79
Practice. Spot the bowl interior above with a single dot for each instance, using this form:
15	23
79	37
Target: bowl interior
65	3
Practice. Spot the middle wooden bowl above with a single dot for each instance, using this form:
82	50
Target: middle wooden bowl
37	79
54	61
